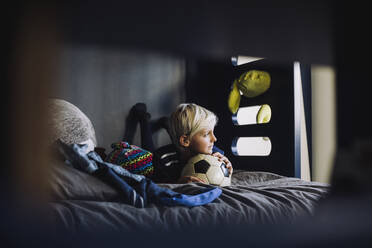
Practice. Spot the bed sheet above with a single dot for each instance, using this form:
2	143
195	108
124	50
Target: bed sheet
82	202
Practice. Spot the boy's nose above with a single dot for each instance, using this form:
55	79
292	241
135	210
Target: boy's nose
213	138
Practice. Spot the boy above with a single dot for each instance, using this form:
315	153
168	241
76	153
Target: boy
192	132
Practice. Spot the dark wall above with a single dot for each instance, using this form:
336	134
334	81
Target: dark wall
352	61
352	169
105	83
284	30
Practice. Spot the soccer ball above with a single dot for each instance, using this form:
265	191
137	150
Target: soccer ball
209	169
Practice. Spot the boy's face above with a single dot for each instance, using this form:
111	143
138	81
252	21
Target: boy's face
203	141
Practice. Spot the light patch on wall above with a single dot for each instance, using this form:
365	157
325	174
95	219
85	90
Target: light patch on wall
324	139
239	60
257	114
251	146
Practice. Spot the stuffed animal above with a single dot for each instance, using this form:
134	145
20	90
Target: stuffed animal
251	83
132	158
263	114
69	124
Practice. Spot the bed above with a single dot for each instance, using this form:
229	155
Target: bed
81	201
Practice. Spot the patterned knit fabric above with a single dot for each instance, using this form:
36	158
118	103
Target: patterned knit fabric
132	158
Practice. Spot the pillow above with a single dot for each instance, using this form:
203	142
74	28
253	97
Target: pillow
68	183
69	124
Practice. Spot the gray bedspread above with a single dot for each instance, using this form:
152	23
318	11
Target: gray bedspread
81	201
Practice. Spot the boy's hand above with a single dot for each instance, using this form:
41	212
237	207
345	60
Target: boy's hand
225	160
189	179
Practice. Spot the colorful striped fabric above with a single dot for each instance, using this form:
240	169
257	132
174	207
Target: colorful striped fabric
132	158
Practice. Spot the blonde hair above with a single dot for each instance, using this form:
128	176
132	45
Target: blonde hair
188	119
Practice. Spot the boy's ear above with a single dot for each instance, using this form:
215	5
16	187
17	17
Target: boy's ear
184	141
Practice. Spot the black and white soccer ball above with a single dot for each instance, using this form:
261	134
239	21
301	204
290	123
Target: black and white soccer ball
209	169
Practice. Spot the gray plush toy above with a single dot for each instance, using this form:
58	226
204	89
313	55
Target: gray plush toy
69	124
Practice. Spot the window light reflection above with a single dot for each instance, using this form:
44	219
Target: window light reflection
251	146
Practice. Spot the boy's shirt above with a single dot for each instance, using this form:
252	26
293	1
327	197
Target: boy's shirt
167	164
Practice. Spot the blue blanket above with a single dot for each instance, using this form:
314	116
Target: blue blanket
137	190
